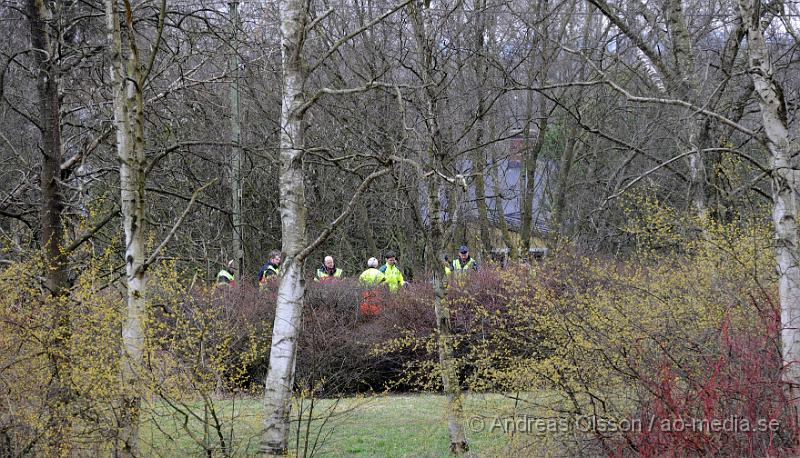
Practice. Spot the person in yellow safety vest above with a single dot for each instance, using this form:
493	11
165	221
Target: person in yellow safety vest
271	268
447	264
328	271
372	276
225	276
391	274
464	263
371	298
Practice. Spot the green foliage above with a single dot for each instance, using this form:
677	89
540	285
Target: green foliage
554	141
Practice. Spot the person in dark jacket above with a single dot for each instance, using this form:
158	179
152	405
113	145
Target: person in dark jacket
464	262
271	268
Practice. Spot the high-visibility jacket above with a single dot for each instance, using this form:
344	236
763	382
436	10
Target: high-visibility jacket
372	276
392	276
226	277
267	271
461	267
323	274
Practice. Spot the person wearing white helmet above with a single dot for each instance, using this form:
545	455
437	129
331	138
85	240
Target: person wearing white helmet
372	276
371	298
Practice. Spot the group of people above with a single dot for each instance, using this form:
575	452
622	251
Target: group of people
388	274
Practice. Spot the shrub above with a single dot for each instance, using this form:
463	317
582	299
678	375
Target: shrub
658	336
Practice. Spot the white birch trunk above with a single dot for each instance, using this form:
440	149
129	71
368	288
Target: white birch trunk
288	313
784	188
129	124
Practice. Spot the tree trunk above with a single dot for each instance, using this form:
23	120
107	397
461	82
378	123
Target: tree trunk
530	158
530	151
567	159
499	208
369	232
479	155
687	87
447	363
784	189
47	91
288	312
437	154
457	233
50	125
682	81
129	124
236	143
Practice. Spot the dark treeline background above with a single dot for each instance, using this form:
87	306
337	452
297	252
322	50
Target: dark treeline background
524	105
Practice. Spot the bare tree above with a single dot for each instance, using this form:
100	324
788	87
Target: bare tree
288	312
47	63
783	149
128	77
236	140
296	23
437	150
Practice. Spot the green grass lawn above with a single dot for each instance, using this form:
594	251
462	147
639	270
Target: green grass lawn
375	426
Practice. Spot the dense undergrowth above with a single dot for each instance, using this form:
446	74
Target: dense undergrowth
674	348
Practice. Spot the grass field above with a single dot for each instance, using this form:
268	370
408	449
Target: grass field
376	426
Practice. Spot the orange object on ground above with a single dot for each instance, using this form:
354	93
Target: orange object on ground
370	304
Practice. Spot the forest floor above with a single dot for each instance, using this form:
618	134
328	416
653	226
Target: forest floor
408	425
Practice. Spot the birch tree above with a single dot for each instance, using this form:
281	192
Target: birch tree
128	78
295	24
650	28
280	377
783	149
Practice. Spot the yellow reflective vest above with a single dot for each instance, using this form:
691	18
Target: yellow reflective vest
225	278
470	264
392	276
372	276
322	274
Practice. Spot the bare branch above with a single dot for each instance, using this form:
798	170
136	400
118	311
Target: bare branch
70	163
765	171
156	43
348	209
176	146
605	8
175	227
357	32
319	19
88	234
345	91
